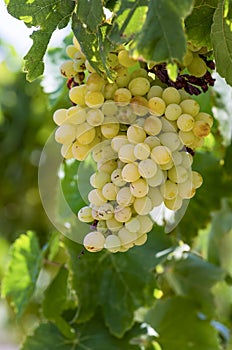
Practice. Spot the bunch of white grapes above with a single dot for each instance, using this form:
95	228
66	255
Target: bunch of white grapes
137	133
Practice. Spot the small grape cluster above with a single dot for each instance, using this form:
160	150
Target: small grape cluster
137	133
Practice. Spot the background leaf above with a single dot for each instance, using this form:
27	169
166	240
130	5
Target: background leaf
21	276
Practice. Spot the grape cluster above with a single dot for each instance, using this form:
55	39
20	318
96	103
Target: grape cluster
138	134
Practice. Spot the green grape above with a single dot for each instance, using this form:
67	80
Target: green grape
187	138
125	60
139	86
157	179
143	205
94	241
113	225
109	108
185	122
107	165
122	96
96	197
95	117
139	188
122	214
140	72
170	140
139	105
133	225
109	191
142	151
197	67
152	126
67	69
65	133
136	134
101	226
130	172
171	95
188	57
109	90
118	141
117	179
187	160
85	134
146	224
186	189
152	141
94	82
127	238
147	168
190	107
112	243
105	211
173	111
178	174
155	91
169	189
59	116
155	196
174	204
161	155
126	153
169	125
156	106
123	77
85	214
99	179
110	128
77	94
71	50
124	197
94	99
76	115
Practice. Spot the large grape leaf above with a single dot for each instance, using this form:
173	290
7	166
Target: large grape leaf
45	16
208	196
193	277
162	37
120	282
179	326
222	41
198	23
92	335
90	14
24	266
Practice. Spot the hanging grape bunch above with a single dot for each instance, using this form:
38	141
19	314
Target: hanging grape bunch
138	133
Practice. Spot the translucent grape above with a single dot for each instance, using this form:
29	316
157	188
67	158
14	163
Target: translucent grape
85	214
139	188
152	125
139	86
147	168
94	241
130	172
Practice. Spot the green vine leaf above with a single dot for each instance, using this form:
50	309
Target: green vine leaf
20	280
221	40
90	14
46	16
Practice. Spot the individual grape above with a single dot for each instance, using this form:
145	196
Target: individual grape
201	128
79	65
85	214
76	44
94	82
187	138
196	179
178	174
94	241
157	179
67	69
113	225
130	172
95	117
112	243
65	133
143	205
96	197
125	60
101	226
197	67
155	91
133	225
170	140
94	99
80	152
169	125
109	90
118	141
127	238
109	108
169	189
105	211
177	158
71	50
161	155
184	95
139	86
139	105
59	116
77	94
173	111
108	153
117	179
187	160
109	191
76	115
155	196
174	204
140	72
205	117
171	95
186	189
122	214
147	168
66	151
142	151
110	128
126	153
156	106
107	165
123	77
190	107
126	115
135	134
141	239
99	179
166	166
122	96
85	134
188	57
124	197
140	122
89	67
185	122
146	224
139	188
152	125
152	141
